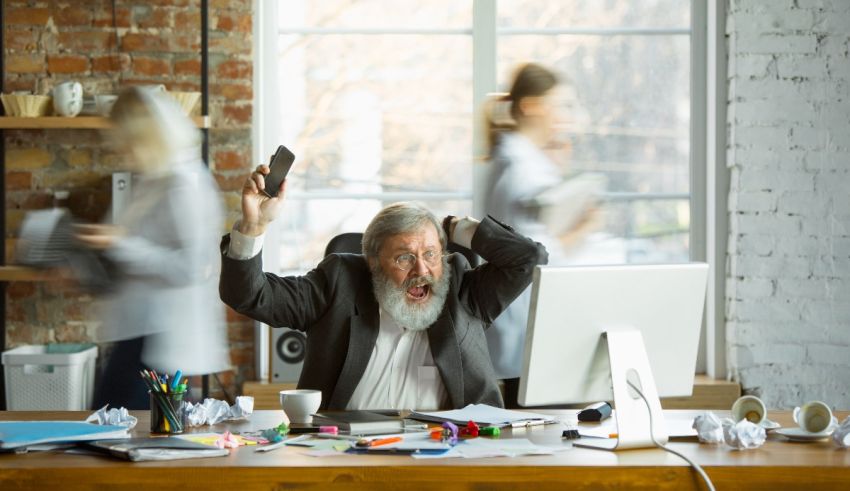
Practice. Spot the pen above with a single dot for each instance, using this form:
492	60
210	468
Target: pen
332	430
379	441
530	422
271	446
337	437
609	435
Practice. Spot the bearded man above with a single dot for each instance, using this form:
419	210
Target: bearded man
400	326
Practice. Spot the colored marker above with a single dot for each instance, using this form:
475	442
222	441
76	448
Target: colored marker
379	441
176	382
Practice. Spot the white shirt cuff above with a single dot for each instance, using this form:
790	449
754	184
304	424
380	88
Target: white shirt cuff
244	246
464	230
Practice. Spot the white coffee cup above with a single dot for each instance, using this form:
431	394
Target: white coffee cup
750	408
68	99
104	103
300	404
814	416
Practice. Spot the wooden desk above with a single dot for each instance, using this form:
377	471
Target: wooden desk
776	465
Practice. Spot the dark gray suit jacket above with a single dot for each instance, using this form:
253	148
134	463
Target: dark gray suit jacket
335	305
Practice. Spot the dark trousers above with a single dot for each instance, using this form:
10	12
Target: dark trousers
120	383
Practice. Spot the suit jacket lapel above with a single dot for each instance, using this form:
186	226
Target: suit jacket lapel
363	331
446	353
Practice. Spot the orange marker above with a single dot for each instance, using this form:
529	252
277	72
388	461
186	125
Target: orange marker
381	441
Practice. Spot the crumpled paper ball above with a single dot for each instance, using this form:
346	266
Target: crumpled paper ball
709	428
841	436
743	434
117	417
213	411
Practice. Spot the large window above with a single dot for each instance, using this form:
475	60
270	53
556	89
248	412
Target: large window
379	101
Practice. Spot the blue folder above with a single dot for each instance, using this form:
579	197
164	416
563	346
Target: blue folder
15	434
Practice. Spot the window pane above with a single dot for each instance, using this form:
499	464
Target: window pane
306	226
378	112
646	231
396	14
626	105
593	13
625	112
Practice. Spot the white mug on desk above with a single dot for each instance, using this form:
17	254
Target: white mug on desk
814	416
300	404
750	408
68	99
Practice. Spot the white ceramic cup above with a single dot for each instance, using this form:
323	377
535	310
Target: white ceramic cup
300	404
68	99
104	102
814	416
750	408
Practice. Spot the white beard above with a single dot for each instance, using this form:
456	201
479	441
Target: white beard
393	299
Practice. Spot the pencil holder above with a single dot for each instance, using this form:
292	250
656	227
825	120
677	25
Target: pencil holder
168	412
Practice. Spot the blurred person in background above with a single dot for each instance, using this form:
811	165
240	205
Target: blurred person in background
527	189
162	311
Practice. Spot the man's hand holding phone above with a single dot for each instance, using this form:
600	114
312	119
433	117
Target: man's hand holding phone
262	194
258	208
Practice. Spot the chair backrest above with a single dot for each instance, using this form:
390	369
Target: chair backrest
351	242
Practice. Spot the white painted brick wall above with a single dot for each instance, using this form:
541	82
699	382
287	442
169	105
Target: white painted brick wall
788	284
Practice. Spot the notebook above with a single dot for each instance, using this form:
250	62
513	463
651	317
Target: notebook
15	434
483	414
359	421
141	449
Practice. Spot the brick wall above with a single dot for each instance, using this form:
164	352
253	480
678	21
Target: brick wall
788	291
47	42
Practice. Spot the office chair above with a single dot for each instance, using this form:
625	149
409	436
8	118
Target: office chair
348	242
351	242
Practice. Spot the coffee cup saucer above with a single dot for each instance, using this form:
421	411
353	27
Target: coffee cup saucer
768	424
801	435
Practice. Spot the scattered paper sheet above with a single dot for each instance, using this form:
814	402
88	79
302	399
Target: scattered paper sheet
478	448
677	425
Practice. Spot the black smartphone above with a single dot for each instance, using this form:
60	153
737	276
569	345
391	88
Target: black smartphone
279	166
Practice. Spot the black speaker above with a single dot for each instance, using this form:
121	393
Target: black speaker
288	348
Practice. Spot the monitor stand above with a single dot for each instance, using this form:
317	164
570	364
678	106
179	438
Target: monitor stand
629	363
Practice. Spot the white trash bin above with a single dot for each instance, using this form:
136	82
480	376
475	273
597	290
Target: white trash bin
57	377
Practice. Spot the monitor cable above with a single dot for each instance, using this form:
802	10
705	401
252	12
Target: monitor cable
693	464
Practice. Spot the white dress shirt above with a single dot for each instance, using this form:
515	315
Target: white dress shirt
401	373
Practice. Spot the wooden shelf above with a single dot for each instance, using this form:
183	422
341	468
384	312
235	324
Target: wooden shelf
79	122
708	394
266	395
21	273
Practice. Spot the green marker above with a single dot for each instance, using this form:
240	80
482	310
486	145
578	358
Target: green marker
490	431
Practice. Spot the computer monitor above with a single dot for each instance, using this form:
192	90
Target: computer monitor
592	329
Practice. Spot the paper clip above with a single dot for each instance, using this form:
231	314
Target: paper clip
570	434
447	433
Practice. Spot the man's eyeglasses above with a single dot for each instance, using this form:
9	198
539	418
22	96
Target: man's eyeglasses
407	261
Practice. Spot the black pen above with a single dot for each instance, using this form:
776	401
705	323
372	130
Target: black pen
332	430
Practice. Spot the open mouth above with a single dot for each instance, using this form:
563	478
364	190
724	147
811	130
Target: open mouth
418	293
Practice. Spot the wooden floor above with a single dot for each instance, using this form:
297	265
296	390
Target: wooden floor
708	394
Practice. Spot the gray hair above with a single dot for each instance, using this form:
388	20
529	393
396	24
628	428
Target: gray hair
398	218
